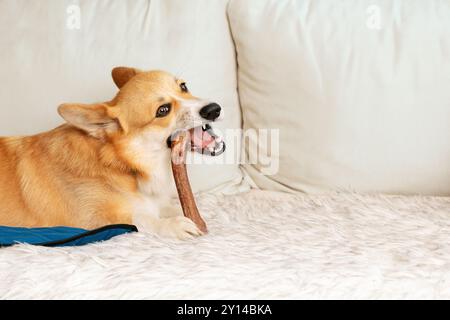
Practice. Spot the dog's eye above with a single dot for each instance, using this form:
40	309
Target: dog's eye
163	110
184	87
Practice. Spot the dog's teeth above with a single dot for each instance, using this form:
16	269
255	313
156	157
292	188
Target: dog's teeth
204	127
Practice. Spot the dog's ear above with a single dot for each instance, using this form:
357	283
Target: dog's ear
122	75
95	119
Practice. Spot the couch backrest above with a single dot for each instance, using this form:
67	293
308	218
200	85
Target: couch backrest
358	89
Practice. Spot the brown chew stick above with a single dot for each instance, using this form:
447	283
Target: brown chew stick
190	210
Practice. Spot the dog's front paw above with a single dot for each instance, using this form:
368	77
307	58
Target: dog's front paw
179	227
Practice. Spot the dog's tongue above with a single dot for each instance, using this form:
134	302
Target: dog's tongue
201	138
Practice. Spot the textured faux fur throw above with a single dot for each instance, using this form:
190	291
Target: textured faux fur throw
261	245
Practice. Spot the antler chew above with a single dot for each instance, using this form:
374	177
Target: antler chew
190	210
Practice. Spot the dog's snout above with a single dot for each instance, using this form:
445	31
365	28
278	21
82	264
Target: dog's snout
210	111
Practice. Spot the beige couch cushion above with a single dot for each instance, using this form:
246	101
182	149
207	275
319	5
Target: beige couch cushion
48	60
359	89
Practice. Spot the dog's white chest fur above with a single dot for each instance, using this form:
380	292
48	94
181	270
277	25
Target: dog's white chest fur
154	157
160	182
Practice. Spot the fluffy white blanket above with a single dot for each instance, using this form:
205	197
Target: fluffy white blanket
261	245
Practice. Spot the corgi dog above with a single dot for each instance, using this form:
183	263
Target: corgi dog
110	162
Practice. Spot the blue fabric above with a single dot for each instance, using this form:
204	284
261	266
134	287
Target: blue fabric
60	236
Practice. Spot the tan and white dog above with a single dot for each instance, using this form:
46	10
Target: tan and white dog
109	164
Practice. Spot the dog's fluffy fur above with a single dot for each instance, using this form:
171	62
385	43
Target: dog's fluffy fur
108	164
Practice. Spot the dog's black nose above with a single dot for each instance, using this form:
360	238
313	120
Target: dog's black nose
210	112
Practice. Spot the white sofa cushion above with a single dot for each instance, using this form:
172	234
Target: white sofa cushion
49	56
360	91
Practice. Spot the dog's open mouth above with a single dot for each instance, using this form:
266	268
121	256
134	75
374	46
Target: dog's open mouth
203	140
